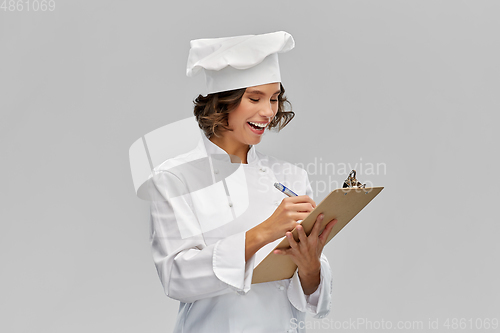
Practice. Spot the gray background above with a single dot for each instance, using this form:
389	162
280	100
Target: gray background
412	84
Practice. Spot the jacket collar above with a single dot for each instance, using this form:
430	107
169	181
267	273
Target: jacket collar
212	149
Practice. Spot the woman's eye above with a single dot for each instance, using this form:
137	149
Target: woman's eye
254	100
274	100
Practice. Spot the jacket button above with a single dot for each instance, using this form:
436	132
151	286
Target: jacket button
216	171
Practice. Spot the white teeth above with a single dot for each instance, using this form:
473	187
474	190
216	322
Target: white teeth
258	125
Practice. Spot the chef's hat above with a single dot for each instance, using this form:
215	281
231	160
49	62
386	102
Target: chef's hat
238	62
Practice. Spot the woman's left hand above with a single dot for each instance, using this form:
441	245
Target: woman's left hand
306	253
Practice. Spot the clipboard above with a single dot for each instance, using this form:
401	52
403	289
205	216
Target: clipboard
343	204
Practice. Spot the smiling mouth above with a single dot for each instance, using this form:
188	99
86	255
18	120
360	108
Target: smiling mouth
257	126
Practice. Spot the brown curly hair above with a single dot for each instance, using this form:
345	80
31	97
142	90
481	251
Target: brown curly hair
212	111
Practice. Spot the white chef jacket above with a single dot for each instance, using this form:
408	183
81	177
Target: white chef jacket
202	264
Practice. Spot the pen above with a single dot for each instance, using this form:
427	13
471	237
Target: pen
285	189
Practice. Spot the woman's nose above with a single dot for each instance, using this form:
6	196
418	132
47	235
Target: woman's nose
267	110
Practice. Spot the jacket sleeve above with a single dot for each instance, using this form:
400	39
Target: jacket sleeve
318	303
188	268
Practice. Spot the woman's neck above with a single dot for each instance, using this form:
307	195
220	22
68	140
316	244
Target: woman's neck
232	147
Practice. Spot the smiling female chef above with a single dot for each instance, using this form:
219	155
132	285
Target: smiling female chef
216	206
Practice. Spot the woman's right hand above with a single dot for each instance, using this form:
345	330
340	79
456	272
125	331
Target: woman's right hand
285	217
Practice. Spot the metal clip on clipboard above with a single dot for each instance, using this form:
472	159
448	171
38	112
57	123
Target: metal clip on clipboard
351	181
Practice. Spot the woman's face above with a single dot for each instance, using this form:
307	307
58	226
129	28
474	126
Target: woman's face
257	108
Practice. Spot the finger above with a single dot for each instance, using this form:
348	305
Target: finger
299	216
282	252
301	198
326	232
302	234
291	240
303	207
317	225
313	203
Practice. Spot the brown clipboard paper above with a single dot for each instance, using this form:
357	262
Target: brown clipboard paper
343	204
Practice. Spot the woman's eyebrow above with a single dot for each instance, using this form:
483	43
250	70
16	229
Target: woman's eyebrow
258	92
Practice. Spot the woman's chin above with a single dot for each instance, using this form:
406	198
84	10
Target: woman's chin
254	141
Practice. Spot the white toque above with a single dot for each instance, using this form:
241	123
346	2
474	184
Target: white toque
238	62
